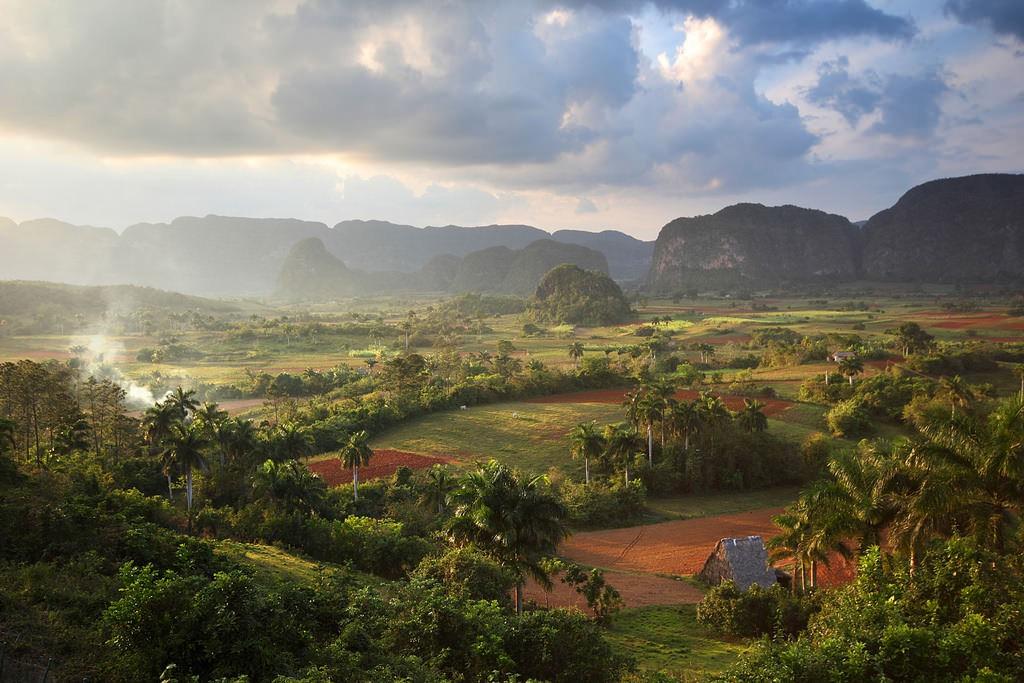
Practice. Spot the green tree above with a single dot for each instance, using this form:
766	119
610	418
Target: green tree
292	441
752	418
438	486
586	443
850	367
184	449
622	443
516	521
957	392
576	353
356	453
182	402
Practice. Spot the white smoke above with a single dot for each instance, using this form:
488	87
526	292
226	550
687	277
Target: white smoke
100	360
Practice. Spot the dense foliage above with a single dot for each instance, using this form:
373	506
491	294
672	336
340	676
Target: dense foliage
569	294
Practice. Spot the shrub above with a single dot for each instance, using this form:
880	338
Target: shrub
849	419
602	504
467	573
756	611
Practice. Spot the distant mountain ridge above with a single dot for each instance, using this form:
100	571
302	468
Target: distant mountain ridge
231	256
311	273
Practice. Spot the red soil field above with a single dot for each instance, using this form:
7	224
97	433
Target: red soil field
1000	322
633	557
772	406
383	464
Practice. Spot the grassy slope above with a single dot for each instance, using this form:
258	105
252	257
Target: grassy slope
668	638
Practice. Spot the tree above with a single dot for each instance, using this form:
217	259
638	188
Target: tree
968	475
290	484
912	338
586	443
182	402
1019	371
184	450
706	351
685	419
850	367
957	392
438	487
157	422
622	442
643	409
752	418
516	521
292	441
7	429
354	454
576	353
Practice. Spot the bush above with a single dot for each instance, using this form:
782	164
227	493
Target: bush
467	573
603	504
849	419
562	646
756	611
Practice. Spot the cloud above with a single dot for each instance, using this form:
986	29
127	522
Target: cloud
908	105
759	22
585	206
1005	17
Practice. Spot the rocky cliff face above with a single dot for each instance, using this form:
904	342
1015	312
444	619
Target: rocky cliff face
311	273
968	229
754	245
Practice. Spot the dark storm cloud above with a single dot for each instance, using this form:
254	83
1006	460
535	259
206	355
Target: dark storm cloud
1005	17
908	105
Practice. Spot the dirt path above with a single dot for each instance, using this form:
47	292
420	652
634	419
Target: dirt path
637	590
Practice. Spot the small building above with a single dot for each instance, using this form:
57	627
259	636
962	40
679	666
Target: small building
840	356
744	561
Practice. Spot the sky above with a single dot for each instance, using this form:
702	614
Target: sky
588	114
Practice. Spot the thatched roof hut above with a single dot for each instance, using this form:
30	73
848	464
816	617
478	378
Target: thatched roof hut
741	560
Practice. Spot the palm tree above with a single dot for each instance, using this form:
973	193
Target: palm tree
210	415
642	411
576	352
957	392
438	487
1019	371
355	453
850	367
751	418
791	543
182	402
516	521
184	450
586	443
621	443
289	484
860	494
292	441
686	420
706	351
969	477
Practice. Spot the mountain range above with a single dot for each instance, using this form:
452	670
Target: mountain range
968	229
229	256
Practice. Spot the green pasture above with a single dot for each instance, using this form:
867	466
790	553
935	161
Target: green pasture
530	436
668	638
722	503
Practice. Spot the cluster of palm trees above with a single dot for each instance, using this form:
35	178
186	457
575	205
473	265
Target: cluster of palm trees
961	475
186	435
653	408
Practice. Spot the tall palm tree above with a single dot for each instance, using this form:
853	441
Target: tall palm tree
184	448
969	474
289	484
210	415
686	419
651	409
851	367
861	493
791	542
622	442
752	418
576	352
957	392
182	401
438	487
586	443
354	454
292	441
516	521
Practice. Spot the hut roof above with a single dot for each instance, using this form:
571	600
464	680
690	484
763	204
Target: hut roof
743	560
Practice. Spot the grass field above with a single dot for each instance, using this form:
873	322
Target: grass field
530	436
668	638
706	505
